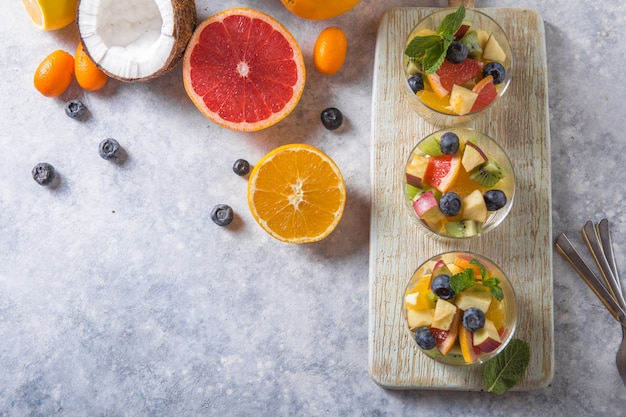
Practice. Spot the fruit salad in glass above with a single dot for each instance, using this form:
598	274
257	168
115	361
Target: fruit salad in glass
457	63
460	308
459	183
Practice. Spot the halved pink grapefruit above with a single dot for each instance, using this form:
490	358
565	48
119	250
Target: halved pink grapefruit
243	69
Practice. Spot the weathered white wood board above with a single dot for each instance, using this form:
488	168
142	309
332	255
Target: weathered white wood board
522	245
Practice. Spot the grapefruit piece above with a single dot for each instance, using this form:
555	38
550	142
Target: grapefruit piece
243	70
487	93
450	74
442	171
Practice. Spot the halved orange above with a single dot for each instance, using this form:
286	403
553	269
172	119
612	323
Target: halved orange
297	194
243	69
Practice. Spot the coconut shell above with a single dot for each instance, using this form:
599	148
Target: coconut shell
185	21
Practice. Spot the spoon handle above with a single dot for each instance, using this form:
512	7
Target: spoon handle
607	246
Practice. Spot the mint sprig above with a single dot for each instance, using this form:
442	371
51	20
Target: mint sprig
462	281
430	51
504	371
493	285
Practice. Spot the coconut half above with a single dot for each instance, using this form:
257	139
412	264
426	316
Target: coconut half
136	40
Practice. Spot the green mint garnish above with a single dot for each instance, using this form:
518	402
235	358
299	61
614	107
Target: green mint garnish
430	51
493	285
503	371
483	270
462	281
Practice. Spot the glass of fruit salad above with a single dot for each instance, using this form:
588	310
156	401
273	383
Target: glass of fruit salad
460	308
459	183
457	63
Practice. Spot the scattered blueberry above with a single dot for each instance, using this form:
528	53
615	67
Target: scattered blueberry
496	70
222	215
43	173
416	83
495	199
425	338
441	287
241	167
457	52
332	118
450	204
75	109
449	143
473	319
109	149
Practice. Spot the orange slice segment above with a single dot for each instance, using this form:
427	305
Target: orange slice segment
297	194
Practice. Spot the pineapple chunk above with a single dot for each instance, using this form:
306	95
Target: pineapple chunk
493	51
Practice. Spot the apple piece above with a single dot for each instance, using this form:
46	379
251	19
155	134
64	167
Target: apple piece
487	339
411	299
444	315
440	268
419	318
415	170
493	51
474	207
466	342
425	203
482	36
447	339
479	299
462	30
473	156
462	99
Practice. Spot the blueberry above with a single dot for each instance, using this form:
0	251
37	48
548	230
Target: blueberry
473	319
332	118
441	287
495	199
241	167
222	215
449	143
109	149
43	173
450	204
496	70
416	83
457	52
75	109
425	338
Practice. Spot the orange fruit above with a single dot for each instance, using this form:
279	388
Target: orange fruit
88	75
243	70
297	194
54	74
50	14
330	50
319	9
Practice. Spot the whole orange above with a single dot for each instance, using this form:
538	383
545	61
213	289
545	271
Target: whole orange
88	75
54	74
319	9
330	50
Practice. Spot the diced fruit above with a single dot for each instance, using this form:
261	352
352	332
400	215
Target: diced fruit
487	339
411	299
458	74
442	171
487	93
415	170
445	313
473	156
474	49
487	174
474	299
425	338
441	287
463	228
425	203
496	313
424	299
474	207
463	29
462	100
493	51
419	318
473	319
441	268
467	345
430	146
412	191
445	344
482	36
466	264
436	84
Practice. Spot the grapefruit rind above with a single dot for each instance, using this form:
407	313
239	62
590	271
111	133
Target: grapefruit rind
237	90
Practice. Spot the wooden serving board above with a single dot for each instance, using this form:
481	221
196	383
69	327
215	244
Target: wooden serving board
521	245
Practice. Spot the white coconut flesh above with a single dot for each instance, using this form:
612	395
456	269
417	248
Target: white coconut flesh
132	40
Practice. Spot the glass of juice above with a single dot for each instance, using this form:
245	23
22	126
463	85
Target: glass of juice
471	75
460	308
458	183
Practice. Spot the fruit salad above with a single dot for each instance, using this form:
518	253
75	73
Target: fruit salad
456	63
460	308
459	183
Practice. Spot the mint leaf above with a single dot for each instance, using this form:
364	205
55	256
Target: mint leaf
483	270
433	59
462	281
503	371
420	44
452	22
493	285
